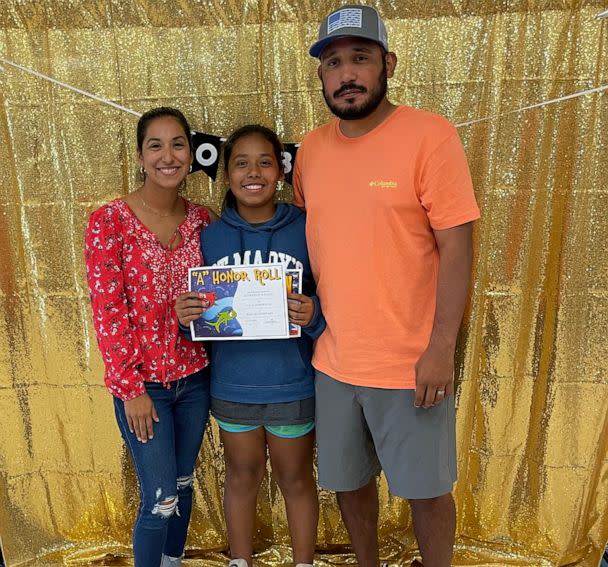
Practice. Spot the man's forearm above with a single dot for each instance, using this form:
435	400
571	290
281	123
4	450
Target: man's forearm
455	259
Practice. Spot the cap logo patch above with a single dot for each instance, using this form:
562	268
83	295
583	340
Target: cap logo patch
347	18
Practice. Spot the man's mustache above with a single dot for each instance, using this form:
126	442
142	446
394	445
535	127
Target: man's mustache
349	87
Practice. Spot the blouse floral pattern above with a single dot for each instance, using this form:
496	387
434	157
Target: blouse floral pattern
133	282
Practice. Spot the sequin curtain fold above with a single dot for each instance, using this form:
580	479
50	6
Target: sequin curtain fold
532	359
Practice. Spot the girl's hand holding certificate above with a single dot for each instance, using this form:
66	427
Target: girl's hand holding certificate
189	306
301	309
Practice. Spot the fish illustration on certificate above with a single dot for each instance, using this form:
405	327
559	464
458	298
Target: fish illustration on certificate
244	302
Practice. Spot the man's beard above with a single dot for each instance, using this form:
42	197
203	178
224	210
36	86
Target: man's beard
352	112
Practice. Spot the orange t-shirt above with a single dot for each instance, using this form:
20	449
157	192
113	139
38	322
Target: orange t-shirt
372	203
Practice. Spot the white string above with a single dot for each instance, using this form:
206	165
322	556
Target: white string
537	105
70	87
461	125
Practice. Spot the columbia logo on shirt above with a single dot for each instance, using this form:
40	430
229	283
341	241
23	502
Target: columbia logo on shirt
381	184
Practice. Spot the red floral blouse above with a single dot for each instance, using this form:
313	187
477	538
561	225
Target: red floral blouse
133	282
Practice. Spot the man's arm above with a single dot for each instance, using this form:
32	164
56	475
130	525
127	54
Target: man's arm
296	179
435	368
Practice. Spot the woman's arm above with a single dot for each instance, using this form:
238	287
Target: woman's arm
119	346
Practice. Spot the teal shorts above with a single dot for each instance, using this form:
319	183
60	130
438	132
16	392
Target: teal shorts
284	431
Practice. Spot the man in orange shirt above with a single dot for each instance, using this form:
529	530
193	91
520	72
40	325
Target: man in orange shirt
390	205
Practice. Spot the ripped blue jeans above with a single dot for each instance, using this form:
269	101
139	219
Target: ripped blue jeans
165	466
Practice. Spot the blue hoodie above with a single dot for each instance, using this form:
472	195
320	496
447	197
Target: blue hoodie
273	370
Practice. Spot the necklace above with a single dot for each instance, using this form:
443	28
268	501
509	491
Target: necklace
154	211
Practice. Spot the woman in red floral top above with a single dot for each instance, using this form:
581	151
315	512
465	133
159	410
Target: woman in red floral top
138	250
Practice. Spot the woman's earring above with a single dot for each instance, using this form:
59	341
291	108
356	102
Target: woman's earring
190	170
141	169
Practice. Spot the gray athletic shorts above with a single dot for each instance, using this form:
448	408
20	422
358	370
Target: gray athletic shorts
361	431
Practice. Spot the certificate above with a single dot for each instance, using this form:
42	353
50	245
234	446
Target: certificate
243	302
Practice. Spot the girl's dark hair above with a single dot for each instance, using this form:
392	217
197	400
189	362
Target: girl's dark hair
160	112
228	146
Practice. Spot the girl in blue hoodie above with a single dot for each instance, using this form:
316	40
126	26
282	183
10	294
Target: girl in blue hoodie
262	392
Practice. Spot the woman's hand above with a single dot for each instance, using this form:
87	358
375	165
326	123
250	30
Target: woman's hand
301	309
141	414
188	307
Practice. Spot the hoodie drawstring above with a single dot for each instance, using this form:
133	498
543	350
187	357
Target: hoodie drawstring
266	255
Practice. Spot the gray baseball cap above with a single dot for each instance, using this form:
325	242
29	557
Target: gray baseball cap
353	20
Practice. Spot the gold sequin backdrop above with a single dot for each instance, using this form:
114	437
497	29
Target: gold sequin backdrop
533	396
